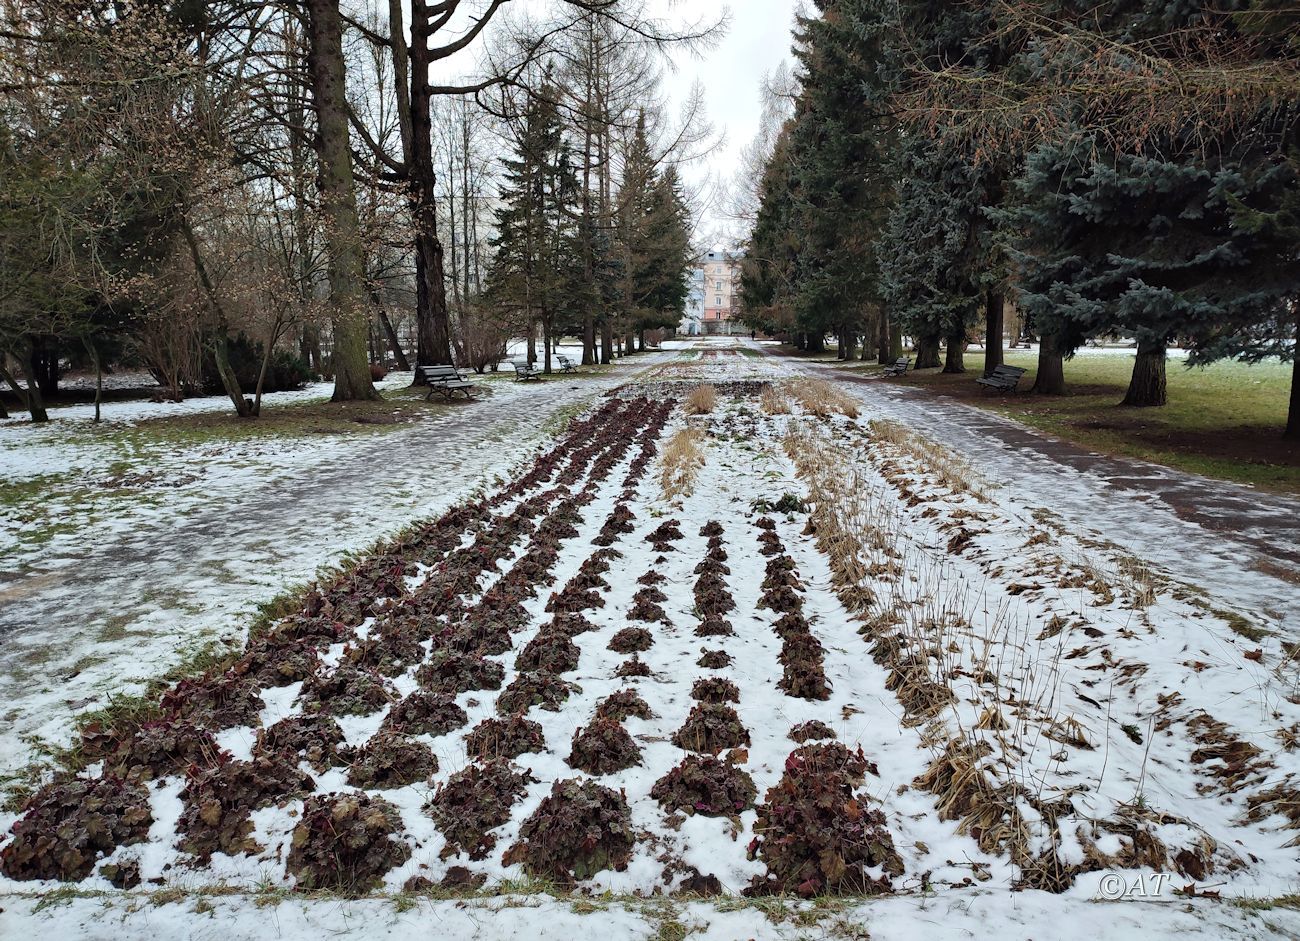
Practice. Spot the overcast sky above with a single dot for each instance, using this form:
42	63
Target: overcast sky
757	40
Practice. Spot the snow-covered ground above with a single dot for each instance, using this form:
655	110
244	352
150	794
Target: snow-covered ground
127	579
1111	698
974	914
1212	534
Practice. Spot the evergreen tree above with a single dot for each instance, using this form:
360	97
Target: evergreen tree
534	267
653	242
842	141
1178	240
935	251
767	274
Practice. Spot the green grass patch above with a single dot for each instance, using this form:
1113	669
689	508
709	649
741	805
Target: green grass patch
1224	420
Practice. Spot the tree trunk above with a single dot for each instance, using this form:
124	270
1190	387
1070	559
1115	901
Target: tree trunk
98	363
546	342
29	398
994	308
1147	385
532	343
895	341
390	334
927	352
816	342
954	360
640	341
883	337
43	369
220	339
1050	379
606	342
346	268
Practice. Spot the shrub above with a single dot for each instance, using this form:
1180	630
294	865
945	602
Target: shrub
450	672
474	801
70	823
565	601
378	372
425	713
549	652
647	611
505	738
218	802
347	691
632	667
570	623
389	652
215	702
316	738
788	625
534	689
714	659
710	728
803	646
663	535
816	835
715	627
631	640
715	689
391	760
167	746
624	703
346	842
603	747
279	664
812	729
578	830
705	785
804	679
484	640
782	600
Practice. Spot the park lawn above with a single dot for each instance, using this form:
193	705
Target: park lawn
1224	420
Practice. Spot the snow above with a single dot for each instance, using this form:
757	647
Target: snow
125	580
1113	663
959	917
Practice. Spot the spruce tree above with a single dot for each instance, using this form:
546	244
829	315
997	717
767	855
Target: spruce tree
1178	239
536	224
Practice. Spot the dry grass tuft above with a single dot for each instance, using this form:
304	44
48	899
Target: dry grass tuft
947	468
774	401
702	400
682	459
821	398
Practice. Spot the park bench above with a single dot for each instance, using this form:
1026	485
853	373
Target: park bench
1002	378
444	379
566	364
523	371
897	367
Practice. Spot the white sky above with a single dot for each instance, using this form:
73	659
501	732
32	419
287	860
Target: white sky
757	40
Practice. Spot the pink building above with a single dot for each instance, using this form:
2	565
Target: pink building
721	283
